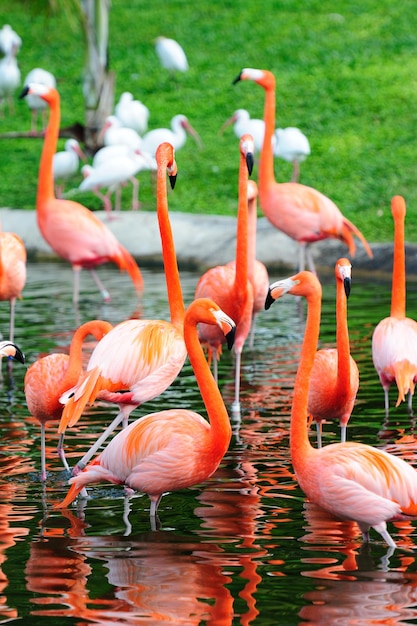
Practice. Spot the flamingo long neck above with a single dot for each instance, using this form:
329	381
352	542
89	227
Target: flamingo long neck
266	161
299	441
220	431
342	339
46	179
97	328
241	273
172	276
252	224
398	270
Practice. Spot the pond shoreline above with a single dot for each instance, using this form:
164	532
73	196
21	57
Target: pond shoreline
202	241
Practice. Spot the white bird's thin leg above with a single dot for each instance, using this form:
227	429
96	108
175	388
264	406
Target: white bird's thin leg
135	193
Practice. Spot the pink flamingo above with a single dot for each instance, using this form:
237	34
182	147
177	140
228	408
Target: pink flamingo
301	212
49	377
12	272
229	285
175	448
352	481
334	379
138	359
72	231
394	341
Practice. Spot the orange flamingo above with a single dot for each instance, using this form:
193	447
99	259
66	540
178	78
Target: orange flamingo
394	340
49	377
334	379
138	359
72	231
175	448
12	272
257	272
301	212
229	285
353	481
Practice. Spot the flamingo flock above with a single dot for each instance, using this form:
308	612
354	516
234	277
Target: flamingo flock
135	360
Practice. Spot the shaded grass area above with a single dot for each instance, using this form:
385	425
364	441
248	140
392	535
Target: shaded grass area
346	76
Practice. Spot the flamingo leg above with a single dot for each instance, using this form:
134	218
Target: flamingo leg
11	327
104	293
43	453
386	398
318	427
76	291
236	401
410	403
215	368
252	331
155	500
61	453
343	433
80	465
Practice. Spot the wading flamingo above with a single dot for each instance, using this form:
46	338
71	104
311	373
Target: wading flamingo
138	359
394	340
12	272
229	285
301	212
50	376
334	379
72	231
171	449
257	272
353	481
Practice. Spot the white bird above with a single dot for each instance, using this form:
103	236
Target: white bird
34	102
65	164
244	124
114	133
171	55
291	145
176	135
9	80
10	42
110	175
132	113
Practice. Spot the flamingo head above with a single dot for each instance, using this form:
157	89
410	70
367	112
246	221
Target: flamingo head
343	272
37	89
247	149
302	284
262	77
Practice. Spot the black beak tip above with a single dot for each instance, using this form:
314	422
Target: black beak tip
173	180
250	162
230	338
237	79
19	356
347	284
24	92
268	301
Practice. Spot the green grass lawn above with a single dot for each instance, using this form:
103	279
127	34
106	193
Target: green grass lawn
346	76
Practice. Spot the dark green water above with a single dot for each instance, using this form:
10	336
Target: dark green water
244	547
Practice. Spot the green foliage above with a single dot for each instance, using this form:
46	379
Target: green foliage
346	76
